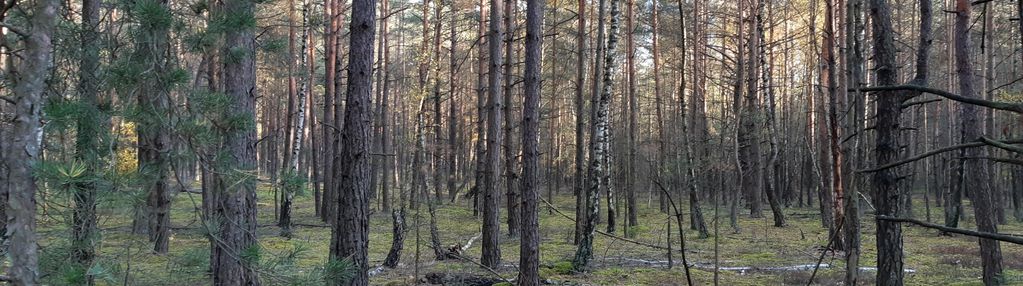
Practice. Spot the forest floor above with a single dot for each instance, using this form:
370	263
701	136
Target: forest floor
757	254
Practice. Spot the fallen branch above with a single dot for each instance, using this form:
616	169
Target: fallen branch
491	270
987	235
1011	107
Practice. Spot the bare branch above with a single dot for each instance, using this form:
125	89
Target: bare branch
987	235
1005	145
942	150
1011	107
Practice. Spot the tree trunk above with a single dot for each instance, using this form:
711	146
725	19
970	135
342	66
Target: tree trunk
350	236
977	178
32	70
234	202
292	181
599	144
491	256
510	159
580	124
696	220
886	148
831	73
529	244
91	127
630	160
329	128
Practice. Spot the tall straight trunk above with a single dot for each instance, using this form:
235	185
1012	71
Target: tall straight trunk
580	122
630	160
453	128
886	147
25	134
510	159
481	108
749	139
383	120
854	80
697	104
662	201
234	202
597	171
977	177
529	244
154	142
89	135
696	220
291	186
598	76
831	74
491	256
437	159
289	118
350	235
329	129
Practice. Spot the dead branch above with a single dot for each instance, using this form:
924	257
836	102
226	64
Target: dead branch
987	235
1006	106
942	150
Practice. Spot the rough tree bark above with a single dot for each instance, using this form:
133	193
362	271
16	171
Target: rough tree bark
510	159
886	147
25	135
580	122
978	177
529	244
233	181
350	235
491	256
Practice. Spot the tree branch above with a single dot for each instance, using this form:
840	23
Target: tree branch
987	235
1011	107
942	150
1002	145
999	159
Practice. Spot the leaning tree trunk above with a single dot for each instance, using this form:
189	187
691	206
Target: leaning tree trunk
597	170
25	134
350	235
